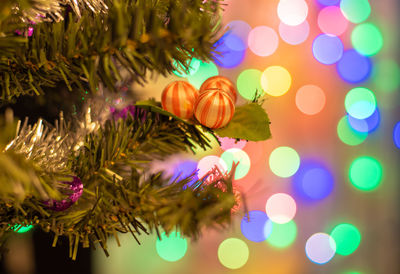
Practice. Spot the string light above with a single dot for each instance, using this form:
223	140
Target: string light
263	41
354	67
327	49
320	248
292	12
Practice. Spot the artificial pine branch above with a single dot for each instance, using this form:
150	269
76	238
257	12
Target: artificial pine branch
45	10
137	35
85	49
17	15
112	159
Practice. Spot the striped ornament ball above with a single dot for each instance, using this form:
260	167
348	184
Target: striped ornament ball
222	83
214	108
179	98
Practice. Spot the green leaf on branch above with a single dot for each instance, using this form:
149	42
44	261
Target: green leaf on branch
250	122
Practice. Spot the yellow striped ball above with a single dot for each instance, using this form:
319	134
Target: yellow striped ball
179	98
214	108
220	82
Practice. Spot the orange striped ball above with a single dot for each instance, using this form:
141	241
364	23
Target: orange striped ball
214	108
220	82
179	98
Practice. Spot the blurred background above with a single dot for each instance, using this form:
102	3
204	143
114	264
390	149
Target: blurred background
322	194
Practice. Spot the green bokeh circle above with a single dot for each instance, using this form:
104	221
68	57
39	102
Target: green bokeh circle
360	103
282	235
347	238
205	71
249	84
348	135
367	39
238	156
386	75
172	247
284	161
356	11
193	66
365	173
22	229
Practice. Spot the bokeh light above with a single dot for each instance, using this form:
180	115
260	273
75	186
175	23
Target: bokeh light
396	135
276	80
348	135
207	163
282	235
359	125
281	208
365	173
185	169
253	224
234	42
386	75
354	67
367	39
368	125
327	49
360	103
313	181
268	228
347	238
227	143
172	247
320	248
332	21
193	66
294	35
310	99
356	11
292	12
22	229
236	155
328	2
233	253
241	29
284	161
229	51
249	84
263	41
205	71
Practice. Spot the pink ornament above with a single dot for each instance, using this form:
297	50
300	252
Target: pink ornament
26	33
222	83
74	191
136	113
30	31
179	98
214	108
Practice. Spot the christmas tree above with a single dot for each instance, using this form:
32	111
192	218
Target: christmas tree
83	172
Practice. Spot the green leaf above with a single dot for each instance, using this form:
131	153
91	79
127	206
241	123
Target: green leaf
250	122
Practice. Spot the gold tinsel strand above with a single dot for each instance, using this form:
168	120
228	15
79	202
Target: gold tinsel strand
51	146
53	10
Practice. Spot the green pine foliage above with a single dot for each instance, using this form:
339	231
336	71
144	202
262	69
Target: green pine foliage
86	49
120	193
82	51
